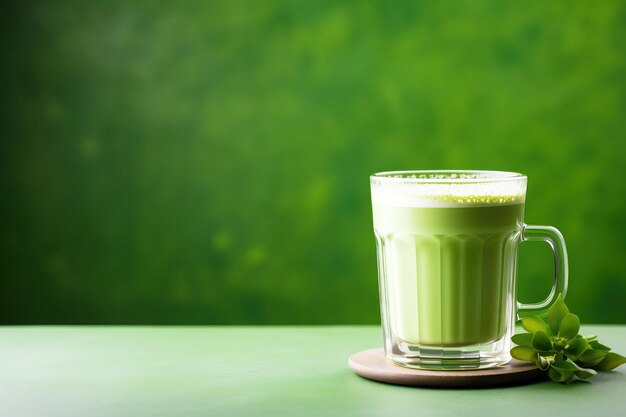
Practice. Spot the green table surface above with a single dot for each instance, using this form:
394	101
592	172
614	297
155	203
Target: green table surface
257	371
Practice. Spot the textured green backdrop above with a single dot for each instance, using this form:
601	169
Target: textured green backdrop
208	161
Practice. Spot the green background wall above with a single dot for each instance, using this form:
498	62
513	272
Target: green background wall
208	161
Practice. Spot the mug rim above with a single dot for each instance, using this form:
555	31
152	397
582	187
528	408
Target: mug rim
447	176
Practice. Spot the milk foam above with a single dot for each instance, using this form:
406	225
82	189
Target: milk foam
397	192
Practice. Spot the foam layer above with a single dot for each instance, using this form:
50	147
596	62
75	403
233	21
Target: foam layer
459	194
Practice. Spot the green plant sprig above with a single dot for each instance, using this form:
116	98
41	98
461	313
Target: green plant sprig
556	347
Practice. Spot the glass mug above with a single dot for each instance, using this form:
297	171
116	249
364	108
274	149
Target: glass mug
447	245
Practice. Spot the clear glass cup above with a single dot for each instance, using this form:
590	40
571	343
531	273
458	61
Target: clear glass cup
447	244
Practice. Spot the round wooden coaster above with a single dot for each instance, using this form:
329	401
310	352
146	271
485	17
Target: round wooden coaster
372	364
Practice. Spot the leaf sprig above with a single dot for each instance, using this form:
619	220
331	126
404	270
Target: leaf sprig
556	347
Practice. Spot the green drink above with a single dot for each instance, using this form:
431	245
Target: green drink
448	265
447	252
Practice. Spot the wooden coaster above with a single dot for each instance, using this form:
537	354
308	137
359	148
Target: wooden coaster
372	364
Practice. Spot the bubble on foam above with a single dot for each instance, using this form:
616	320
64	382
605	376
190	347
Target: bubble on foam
420	194
451	175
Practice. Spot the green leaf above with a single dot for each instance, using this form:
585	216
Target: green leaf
599	346
564	364
542	363
570	378
534	324
592	357
557	347
541	341
568	369
585	374
557	376
577	347
523	339
523	353
556	314
611	361
570	325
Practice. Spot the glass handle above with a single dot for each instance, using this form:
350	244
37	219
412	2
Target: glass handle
554	238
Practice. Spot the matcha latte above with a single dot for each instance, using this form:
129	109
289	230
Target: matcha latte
447	246
446	275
